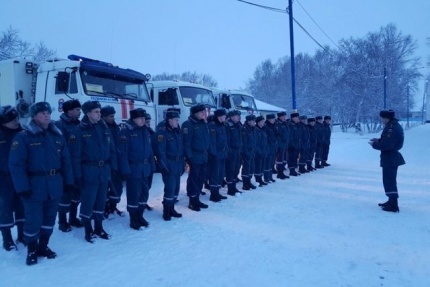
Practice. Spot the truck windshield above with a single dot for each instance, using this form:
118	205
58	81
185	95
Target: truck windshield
193	95
244	102
97	83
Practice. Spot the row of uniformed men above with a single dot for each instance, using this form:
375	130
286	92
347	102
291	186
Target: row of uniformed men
40	166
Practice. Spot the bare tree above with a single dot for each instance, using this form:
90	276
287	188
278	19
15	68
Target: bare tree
193	77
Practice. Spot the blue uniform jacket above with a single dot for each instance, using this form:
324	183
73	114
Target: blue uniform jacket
294	142
249	138
262	149
327	133
93	152
304	136
6	137
39	161
390	143
283	133
271	132
312	136
219	141
196	140
67	125
170	149
234	137
137	156
319	128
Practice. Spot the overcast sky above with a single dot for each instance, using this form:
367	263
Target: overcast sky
224	38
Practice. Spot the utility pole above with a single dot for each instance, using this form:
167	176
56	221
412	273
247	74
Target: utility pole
407	106
424	101
293	69
385	88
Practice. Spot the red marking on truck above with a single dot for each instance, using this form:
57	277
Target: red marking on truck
123	109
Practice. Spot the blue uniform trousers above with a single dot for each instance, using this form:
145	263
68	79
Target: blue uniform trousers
248	166
232	166
137	193
39	218
318	152
269	161
325	151
304	153
389	179
11	208
281	158
115	189
217	173
259	164
93	200
196	178
293	155
172	183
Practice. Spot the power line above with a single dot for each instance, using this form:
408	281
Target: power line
285	12
317	24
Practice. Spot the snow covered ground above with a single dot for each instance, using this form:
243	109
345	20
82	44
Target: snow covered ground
320	229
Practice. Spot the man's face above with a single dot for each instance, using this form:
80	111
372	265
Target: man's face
282	118
295	119
94	115
384	120
147	123
251	123
140	121
328	121
174	123
235	118
75	113
272	121
13	125
43	119
303	121
312	123
110	119
261	124
221	119
201	115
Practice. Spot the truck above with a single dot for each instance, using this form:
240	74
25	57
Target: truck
179	94
236	100
24	82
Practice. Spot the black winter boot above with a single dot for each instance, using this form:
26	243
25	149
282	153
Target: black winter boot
43	249
318	164
89	232
260	181
73	219
293	172
220	195
392	205
99	231
134	220
8	243
140	217
214	195
63	225
230	190
384	204
174	213
310	167
31	253
281	174
246	183
167	215
194	205
201	204
325	164
302	169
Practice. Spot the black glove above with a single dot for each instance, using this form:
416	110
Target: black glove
25	194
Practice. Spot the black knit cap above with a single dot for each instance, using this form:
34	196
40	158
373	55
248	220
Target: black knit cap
280	114
319	118
137	113
311	119
197	108
250	118
270	116
387	114
220	112
259	119
327	118
294	114
178	110
303	117
39	108
7	114
233	113
147	117
107	111
172	115
70	105
88	106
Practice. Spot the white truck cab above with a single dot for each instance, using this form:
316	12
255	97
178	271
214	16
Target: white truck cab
179	94
236	100
22	83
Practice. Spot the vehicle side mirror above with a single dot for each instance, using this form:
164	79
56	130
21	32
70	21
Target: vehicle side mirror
62	82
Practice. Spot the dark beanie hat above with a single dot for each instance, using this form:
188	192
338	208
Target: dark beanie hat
303	117
280	114
107	111
220	112
197	108
250	118
311	119
39	108
7	114
233	113
70	105
147	117
137	113
327	118
388	114
259	119
318	118
172	115
270	116
88	106
294	114
178	110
